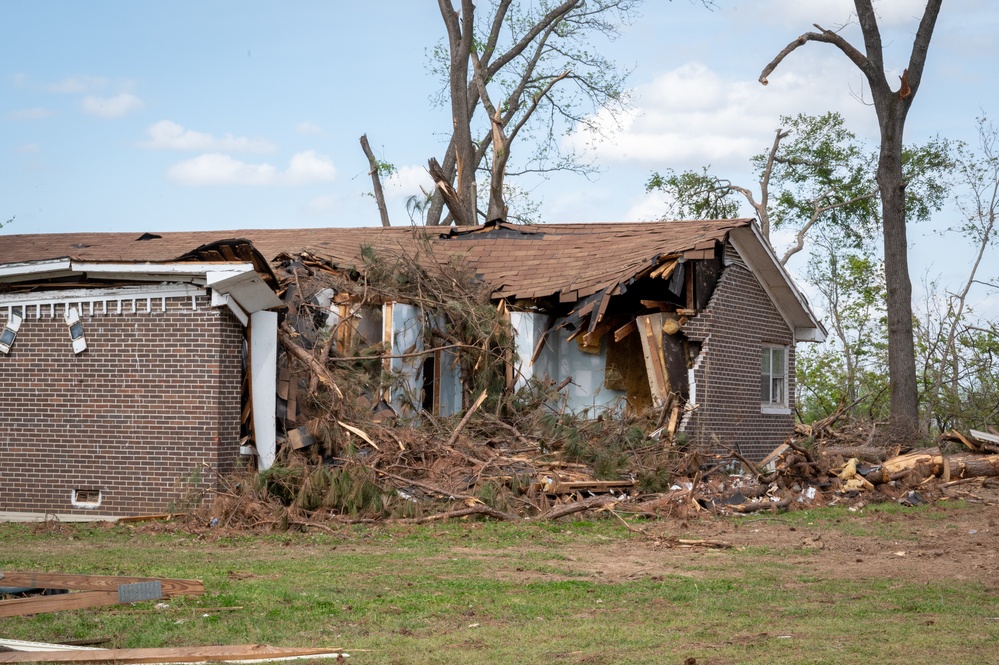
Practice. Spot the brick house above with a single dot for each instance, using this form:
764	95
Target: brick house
138	368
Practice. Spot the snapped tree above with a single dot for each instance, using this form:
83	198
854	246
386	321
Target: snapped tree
892	107
530	68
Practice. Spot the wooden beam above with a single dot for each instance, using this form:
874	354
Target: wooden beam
167	655
661	305
625	330
16	607
37	580
649	328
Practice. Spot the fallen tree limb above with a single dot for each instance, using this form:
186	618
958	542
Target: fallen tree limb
578	507
464	421
318	370
477	509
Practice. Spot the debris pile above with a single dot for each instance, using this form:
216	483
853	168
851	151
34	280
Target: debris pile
373	430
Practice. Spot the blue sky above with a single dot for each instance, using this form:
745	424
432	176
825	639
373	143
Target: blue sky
158	116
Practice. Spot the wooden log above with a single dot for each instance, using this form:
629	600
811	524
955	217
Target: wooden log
168	655
864	453
578	506
964	465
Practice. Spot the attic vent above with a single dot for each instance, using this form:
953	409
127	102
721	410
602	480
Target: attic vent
148	236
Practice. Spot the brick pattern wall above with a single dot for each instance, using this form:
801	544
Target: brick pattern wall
148	414
739	320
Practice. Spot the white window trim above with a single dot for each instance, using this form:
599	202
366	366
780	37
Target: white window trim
772	408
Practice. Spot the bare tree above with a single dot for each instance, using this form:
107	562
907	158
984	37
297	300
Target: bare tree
979	203
531	69
892	107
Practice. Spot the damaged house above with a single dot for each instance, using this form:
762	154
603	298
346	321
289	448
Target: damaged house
139	368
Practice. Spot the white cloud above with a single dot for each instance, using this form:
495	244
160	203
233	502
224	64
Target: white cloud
168	135
27	149
306	168
219	169
76	85
691	116
307	128
31	114
407	181
111	107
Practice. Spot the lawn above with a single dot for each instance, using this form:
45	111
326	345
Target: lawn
825	586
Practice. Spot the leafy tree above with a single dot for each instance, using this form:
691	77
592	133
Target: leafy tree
531	69
892	107
816	172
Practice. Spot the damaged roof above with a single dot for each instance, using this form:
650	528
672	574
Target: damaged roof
570	262
517	261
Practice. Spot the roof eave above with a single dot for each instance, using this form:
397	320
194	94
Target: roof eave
778	283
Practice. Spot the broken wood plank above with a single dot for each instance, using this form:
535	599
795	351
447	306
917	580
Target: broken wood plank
15	607
984	436
661	305
625	330
650	327
38	580
169	655
664	271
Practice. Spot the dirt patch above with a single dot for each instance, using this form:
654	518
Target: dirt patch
926	544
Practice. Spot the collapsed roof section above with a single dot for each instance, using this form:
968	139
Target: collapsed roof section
577	266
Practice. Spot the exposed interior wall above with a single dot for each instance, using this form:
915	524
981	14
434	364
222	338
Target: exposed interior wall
561	358
737	322
148	414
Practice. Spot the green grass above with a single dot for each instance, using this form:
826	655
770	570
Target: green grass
487	592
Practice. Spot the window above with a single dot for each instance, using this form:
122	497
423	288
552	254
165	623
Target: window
773	383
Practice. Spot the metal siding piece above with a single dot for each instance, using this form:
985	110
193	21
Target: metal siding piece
140	591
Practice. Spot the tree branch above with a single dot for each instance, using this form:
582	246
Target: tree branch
376	181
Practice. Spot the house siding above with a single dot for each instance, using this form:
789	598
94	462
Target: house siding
149	414
738	321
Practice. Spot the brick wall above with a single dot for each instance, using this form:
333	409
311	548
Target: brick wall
148	413
739	320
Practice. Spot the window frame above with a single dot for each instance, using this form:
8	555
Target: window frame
783	406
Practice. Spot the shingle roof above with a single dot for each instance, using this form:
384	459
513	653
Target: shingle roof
574	260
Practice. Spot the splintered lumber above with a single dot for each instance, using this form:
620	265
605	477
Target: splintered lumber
169	655
625	330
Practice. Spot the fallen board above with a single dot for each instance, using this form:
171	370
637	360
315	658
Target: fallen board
66	601
36	580
168	655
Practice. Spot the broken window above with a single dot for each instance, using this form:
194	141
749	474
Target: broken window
773	384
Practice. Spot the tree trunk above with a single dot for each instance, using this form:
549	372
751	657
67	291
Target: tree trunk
376	181
901	351
460	39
